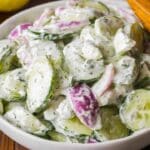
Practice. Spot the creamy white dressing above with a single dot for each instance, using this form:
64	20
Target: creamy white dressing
90	51
40	76
13	86
27	54
64	110
107	98
76	14
80	67
88	34
19	116
126	71
122	42
65	81
50	114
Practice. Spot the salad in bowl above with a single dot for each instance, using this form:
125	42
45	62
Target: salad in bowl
80	73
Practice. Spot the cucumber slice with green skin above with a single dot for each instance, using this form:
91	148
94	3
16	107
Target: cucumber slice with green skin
135	112
98	6
85	139
37	35
71	127
107	49
112	127
137	34
80	68
8	59
1	107
68	127
107	26
13	85
40	84
57	136
19	116
76	126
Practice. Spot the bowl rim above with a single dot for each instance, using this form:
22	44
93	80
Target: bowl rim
4	122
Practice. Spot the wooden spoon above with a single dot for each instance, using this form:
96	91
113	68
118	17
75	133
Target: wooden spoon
142	10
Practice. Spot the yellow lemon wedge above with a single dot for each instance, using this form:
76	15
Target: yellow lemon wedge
12	5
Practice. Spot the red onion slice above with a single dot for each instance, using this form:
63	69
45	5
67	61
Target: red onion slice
84	104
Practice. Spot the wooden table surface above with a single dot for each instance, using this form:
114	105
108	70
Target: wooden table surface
5	142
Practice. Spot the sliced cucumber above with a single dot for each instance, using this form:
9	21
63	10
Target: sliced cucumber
12	85
76	126
1	107
107	49
40	35
65	110
82	69
64	82
107	26
50	114
137	34
122	42
127	70
68	127
112	127
98	6
47	48
57	136
19	116
8	59
40	84
37	48
135	112
88	35
71	127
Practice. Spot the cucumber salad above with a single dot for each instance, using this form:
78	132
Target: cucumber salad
79	73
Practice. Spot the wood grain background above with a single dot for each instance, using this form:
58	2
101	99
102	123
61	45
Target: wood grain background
5	142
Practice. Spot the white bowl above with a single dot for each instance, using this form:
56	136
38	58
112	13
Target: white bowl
134	142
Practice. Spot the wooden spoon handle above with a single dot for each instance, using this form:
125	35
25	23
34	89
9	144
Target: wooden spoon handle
142	10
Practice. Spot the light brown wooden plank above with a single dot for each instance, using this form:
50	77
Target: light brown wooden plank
19	147
6	143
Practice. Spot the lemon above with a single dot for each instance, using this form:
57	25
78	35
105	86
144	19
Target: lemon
12	5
